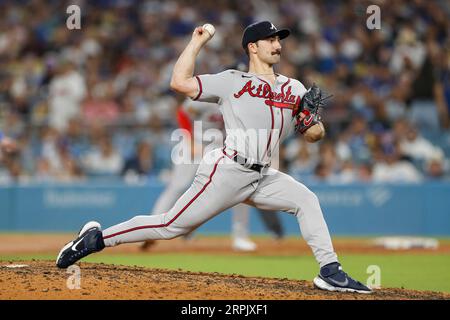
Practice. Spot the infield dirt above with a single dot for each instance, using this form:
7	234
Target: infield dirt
42	280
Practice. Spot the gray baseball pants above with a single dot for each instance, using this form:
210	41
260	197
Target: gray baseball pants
221	183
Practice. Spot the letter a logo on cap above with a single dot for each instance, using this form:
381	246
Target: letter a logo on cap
273	27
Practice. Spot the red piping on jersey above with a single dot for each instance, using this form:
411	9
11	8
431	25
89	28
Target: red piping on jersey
284	85
273	120
280	105
282	124
271	130
200	88
177	215
282	116
231	157
296	106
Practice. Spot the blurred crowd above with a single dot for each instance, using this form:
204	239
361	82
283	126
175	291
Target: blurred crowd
95	103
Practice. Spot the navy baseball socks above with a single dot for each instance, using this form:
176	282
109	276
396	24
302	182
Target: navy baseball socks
89	240
333	278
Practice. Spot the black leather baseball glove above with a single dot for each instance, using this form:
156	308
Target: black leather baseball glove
308	113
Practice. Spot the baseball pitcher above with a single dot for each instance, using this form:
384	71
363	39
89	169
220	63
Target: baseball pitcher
260	101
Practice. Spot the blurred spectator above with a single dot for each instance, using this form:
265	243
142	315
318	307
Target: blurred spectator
7	145
355	142
365	171
413	145
435	169
140	164
392	169
13	171
327	154
103	159
75	137
71	171
395	105
67	90
323	173
43	171
424	111
50	148
347	173
409	52
302	157
100	106
442	86
60	88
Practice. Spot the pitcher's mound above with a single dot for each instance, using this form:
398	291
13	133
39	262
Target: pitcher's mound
43	280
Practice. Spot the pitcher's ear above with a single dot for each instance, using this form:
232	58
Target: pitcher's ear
251	47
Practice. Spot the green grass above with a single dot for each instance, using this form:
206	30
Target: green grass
415	271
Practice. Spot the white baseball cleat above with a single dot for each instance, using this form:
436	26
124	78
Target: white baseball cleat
244	244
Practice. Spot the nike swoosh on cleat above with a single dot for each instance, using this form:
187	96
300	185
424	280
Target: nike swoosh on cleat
339	283
74	247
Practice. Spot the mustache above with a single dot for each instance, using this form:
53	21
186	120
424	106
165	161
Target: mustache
276	52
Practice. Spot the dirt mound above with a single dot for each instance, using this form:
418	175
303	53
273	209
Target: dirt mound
42	280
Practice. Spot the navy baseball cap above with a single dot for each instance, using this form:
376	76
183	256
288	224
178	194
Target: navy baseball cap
262	30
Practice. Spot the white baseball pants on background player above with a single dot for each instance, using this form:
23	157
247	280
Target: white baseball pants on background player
221	183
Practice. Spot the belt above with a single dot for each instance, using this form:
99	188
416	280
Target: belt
243	161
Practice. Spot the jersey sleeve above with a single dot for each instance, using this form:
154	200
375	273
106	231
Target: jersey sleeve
214	87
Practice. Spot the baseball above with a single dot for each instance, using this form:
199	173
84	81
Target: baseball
210	28
315	133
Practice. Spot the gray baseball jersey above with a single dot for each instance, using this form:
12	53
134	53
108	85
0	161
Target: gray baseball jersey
257	115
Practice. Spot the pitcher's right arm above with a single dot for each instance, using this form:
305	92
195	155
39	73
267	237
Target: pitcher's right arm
183	80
